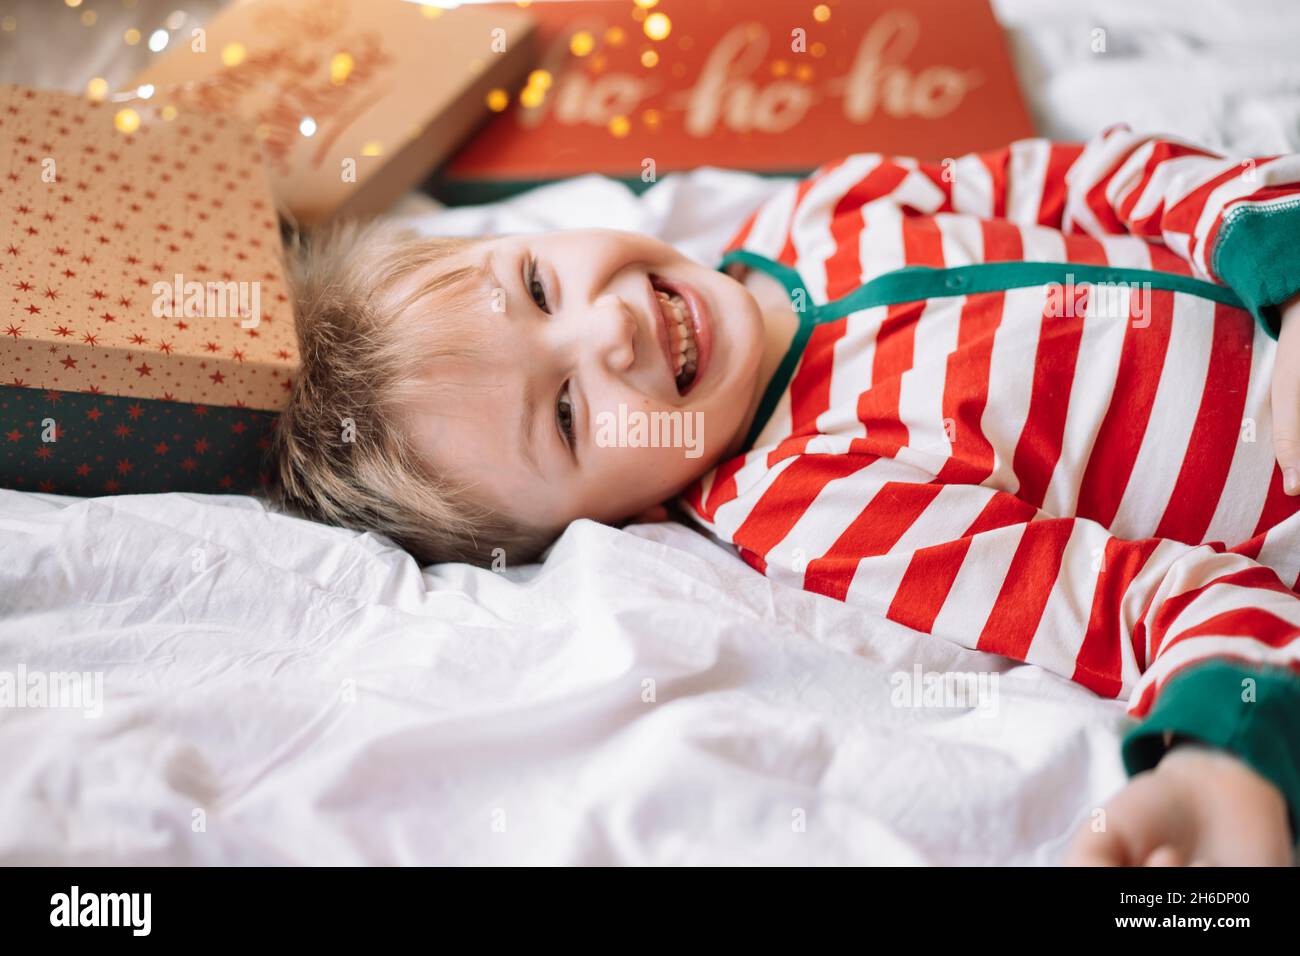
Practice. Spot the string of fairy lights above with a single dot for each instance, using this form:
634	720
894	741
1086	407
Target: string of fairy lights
654	25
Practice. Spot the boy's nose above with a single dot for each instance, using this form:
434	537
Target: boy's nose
614	330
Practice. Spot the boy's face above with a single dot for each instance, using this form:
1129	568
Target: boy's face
584	346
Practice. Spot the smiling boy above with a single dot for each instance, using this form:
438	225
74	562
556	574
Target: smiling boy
916	399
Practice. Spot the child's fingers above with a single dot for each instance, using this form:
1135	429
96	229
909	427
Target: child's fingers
1097	849
1142	825
1164	856
1286	424
1285	396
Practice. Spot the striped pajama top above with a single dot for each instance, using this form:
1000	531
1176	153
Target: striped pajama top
1027	411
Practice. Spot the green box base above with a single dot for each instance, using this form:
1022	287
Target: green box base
110	444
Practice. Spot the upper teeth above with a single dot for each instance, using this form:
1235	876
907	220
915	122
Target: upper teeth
681	335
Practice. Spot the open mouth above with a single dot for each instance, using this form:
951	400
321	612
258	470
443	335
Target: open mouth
681	325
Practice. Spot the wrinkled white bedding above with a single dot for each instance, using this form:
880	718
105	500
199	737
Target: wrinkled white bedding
320	699
280	692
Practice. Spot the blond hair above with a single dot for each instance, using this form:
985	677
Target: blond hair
340	453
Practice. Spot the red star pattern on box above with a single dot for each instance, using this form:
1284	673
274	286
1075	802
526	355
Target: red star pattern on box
91	218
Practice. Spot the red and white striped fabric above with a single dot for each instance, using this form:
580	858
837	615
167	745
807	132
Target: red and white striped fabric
1082	491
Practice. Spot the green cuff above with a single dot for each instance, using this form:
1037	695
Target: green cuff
1250	711
1257	255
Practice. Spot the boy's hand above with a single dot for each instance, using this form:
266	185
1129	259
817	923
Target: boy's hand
1286	396
1198	806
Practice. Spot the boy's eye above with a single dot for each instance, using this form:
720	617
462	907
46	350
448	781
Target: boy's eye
535	287
564	413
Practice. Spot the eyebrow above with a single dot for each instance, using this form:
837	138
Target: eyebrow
526	416
488	271
528	410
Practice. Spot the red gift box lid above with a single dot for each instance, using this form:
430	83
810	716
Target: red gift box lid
771	86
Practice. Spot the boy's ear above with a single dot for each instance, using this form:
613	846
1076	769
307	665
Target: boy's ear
650	515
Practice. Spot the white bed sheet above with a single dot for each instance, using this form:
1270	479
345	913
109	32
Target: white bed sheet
321	699
310	695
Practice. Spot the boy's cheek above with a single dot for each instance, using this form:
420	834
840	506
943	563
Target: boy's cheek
636	478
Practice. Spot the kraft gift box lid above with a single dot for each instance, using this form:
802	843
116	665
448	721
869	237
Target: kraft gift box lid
355	101
140	255
770	86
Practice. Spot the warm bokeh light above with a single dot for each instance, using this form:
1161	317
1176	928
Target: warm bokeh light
581	43
372	148
649	58
131	36
127	121
340	68
540	79
169	113
97	88
619	126
497	100
232	54
657	26
821	13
